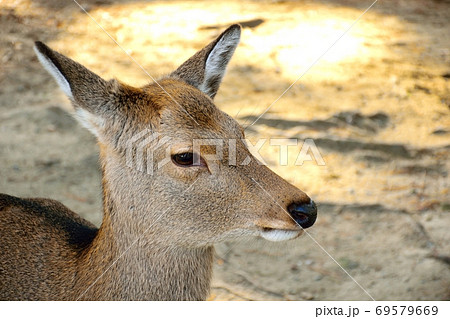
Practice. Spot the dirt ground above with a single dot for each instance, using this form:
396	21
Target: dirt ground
377	106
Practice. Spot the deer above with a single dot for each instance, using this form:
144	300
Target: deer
157	236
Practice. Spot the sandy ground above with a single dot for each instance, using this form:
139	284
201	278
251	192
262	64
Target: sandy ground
377	106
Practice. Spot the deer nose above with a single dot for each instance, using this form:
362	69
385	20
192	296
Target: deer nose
304	214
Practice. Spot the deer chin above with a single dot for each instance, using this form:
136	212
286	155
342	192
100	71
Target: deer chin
279	234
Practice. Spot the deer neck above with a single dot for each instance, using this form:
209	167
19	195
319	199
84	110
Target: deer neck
128	260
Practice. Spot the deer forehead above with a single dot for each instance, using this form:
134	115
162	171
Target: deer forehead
186	110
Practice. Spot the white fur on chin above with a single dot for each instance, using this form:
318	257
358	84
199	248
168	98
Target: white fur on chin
279	235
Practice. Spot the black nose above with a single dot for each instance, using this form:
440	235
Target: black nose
304	214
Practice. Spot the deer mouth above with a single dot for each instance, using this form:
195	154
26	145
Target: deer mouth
272	234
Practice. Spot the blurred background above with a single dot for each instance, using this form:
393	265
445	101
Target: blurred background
377	106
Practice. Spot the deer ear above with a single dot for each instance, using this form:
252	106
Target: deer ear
89	93
206	68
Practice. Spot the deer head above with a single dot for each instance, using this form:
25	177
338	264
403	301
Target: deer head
174	161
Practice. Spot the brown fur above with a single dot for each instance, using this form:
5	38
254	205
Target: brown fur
172	218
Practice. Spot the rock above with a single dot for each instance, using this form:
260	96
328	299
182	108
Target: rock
440	131
244	24
347	263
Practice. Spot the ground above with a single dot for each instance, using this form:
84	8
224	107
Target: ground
377	106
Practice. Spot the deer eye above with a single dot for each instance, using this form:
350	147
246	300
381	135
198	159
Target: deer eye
183	159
